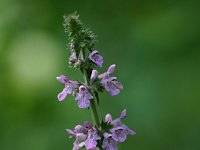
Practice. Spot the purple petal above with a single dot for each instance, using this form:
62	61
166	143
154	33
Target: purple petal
103	75
78	128
116	128
109	144
128	131
121	137
87	125
95	148
62	79
113	91
76	146
69	89
123	114
83	101
111	79
99	61
74	84
90	142
107	135
81	137
118	84
110	87
62	95
117	122
93	52
111	69
71	133
131	132
89	96
119	134
81	144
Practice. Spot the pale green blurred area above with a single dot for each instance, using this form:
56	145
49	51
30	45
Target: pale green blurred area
154	44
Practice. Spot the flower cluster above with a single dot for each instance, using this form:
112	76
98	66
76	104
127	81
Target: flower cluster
82	93
117	133
103	134
86	136
114	131
71	87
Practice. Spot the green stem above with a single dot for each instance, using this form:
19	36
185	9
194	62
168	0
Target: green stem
93	108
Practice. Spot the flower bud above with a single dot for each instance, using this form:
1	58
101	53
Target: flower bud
94	75
108	118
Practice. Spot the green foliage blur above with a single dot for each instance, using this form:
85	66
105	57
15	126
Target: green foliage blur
154	44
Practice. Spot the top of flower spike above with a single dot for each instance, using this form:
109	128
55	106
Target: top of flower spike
79	37
72	23
106	134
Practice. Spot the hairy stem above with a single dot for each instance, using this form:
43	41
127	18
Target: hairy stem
93	108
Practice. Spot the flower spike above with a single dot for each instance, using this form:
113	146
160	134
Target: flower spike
105	134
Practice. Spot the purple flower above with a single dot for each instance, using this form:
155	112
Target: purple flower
79	134
109	83
96	58
119	134
83	97
119	131
86	136
91	141
111	86
70	86
109	143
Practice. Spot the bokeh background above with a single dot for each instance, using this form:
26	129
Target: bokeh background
154	44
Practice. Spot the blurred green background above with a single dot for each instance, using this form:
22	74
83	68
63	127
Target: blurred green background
155	45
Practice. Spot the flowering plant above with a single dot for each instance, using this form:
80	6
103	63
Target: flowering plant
103	134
